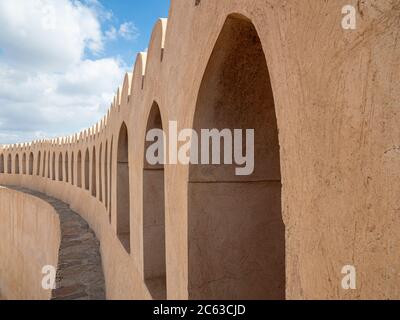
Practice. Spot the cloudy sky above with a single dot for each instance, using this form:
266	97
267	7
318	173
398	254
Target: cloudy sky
62	60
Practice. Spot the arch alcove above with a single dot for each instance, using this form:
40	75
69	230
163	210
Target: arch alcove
53	167
123	201
94	190
154	216
72	169
44	164
79	169
110	181
1	163
60	167
39	163
24	163
100	173
87	172
66	161
235	229
16	164
48	165
9	164
106	175
30	164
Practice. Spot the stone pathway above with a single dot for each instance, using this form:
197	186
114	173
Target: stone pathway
79	271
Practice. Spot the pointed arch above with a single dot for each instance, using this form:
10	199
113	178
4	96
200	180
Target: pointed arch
16	164
66	161
60	167
49	165
72	169
94	173
1	163
110	181
154	212
100	173
39	163
53	166
122	184
44	165
24	163
30	164
79	169
235	228
106	175
9	164
87	170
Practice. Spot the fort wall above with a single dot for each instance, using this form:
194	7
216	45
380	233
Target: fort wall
324	193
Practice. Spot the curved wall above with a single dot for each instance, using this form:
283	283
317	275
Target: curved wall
335	95
29	240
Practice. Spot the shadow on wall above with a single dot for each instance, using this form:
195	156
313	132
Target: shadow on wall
154	217
123	201
236	231
1	163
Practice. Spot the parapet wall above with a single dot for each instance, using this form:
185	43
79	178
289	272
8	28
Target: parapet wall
324	193
29	240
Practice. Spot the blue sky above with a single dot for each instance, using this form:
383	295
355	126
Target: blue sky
144	14
61	61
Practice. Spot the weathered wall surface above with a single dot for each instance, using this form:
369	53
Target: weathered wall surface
29	240
336	96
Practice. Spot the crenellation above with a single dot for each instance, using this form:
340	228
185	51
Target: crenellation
126	88
138	75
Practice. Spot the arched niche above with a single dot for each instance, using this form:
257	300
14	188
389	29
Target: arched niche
235	229
154	212
123	195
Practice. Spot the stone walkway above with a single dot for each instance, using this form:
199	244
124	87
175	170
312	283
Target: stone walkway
79	271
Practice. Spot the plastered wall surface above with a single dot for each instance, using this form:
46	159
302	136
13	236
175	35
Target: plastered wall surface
29	240
327	168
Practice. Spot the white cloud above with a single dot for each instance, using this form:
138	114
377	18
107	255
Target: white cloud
53	103
112	33
47	86
44	34
127	31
